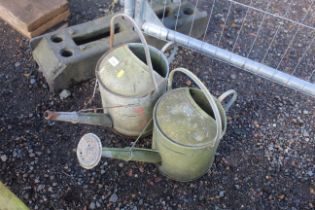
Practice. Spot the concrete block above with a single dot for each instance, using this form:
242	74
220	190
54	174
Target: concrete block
69	56
186	16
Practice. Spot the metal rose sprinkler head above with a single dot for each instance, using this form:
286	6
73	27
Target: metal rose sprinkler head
89	151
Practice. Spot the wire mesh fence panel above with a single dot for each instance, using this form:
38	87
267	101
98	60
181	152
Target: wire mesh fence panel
278	33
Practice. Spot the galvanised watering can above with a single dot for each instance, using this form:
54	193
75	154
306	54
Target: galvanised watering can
188	126
131	79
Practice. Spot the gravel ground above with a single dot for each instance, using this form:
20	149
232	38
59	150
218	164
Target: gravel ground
265	161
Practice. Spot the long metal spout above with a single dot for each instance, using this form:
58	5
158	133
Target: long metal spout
98	119
90	151
132	154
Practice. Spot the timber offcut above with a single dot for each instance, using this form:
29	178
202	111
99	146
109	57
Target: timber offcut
34	17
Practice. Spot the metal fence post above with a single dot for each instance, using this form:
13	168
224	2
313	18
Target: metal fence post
129	7
233	59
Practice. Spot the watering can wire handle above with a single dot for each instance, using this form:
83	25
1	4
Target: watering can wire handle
226	94
173	53
208	95
143	41
166	46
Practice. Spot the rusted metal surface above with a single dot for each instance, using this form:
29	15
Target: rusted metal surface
98	119
49	115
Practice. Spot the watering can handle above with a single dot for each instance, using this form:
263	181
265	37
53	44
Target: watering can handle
173	53
226	94
208	95
143	41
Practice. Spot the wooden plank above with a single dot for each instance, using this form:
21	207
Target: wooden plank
28	15
43	28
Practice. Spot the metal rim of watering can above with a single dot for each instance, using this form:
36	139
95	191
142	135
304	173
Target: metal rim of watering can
221	107
206	92
143	41
98	64
208	95
224	121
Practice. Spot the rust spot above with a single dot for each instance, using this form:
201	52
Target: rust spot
139	110
50	115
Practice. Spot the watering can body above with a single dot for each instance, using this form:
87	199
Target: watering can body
127	90
184	134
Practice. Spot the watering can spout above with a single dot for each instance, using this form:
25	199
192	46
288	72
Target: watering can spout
90	151
98	119
132	154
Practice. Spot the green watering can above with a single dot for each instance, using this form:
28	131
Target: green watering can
188	126
131	78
